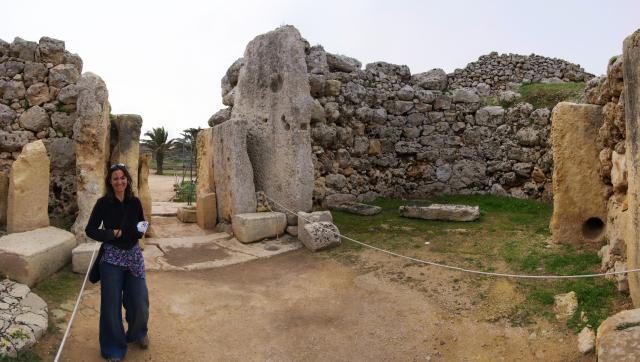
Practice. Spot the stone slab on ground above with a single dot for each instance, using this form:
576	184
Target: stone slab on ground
256	226
618	337
23	318
170	226
441	212
358	208
81	256
187	214
320	235
334	200
151	253
197	252
166	208
264	248
31	256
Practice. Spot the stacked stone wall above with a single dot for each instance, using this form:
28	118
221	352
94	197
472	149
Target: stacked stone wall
498	71
38	95
382	131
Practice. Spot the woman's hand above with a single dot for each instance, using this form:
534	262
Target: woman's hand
117	233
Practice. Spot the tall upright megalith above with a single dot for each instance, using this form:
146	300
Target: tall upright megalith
579	195
91	139
127	145
28	200
631	75
273	96
206	208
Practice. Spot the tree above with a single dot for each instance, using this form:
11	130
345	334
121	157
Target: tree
188	143
158	142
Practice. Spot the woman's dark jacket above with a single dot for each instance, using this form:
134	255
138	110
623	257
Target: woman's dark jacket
114	214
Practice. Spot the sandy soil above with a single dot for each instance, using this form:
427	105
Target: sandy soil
304	306
161	187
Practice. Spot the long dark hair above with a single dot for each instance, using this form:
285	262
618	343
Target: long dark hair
111	195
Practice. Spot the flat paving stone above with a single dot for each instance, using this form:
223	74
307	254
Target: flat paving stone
358	208
162	208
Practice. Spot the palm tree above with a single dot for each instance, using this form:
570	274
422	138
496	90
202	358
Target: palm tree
158	143
188	143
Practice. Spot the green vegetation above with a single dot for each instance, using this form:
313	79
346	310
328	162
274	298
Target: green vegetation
158	142
60	287
541	95
510	236
549	94
26	356
185	191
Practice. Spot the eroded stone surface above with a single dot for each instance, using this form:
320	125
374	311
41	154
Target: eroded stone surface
252	227
24	318
127	145
441	212
618	337
319	235
358	208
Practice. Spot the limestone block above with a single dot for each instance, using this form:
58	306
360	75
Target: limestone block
319	235
206	211
273	95
618	337
61	153
63	74
51	50
579	205
14	141
204	160
235	191
306	218
144	194
81	256
337	199
31	256
35	119
586	340
187	214
28	197
565	305
358	208
252	227
631	75
91	137
441	212
4	194
618	172
127	146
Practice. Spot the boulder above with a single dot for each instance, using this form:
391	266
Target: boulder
618	337
7	115
463	95
256	226
579	204
435	79
342	63
586	340
81	256
618	172
14	141
630	66
35	119
91	137
441	212
37	94
187	214
31	256
144	194
28	197
62	75
235	190
51	50
127	144
273	96
220	116
337	199
319	235
61	154
358	208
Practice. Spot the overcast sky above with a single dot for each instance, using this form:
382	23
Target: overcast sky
164	60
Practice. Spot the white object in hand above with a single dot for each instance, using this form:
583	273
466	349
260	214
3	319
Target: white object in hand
142	226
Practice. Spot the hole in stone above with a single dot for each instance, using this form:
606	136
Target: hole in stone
303	126
265	120
592	228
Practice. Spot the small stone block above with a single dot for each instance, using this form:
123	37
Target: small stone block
252	227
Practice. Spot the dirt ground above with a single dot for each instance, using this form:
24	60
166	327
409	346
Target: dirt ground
161	187
308	307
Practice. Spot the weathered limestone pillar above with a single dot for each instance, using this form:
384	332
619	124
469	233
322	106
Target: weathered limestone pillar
91	138
579	203
273	96
233	179
28	200
206	210
127	147
631	73
4	194
143	184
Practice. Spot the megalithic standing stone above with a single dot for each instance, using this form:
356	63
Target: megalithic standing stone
91	138
28	201
631	76
273	96
127	146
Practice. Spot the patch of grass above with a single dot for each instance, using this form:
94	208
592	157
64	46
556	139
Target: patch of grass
185	191
510	234
26	356
60	287
549	94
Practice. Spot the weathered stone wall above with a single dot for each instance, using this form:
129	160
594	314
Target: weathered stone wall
383	131
38	95
499	70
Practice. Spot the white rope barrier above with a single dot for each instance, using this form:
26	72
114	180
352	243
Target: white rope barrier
75	308
471	271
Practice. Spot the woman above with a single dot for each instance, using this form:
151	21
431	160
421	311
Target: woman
122	265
